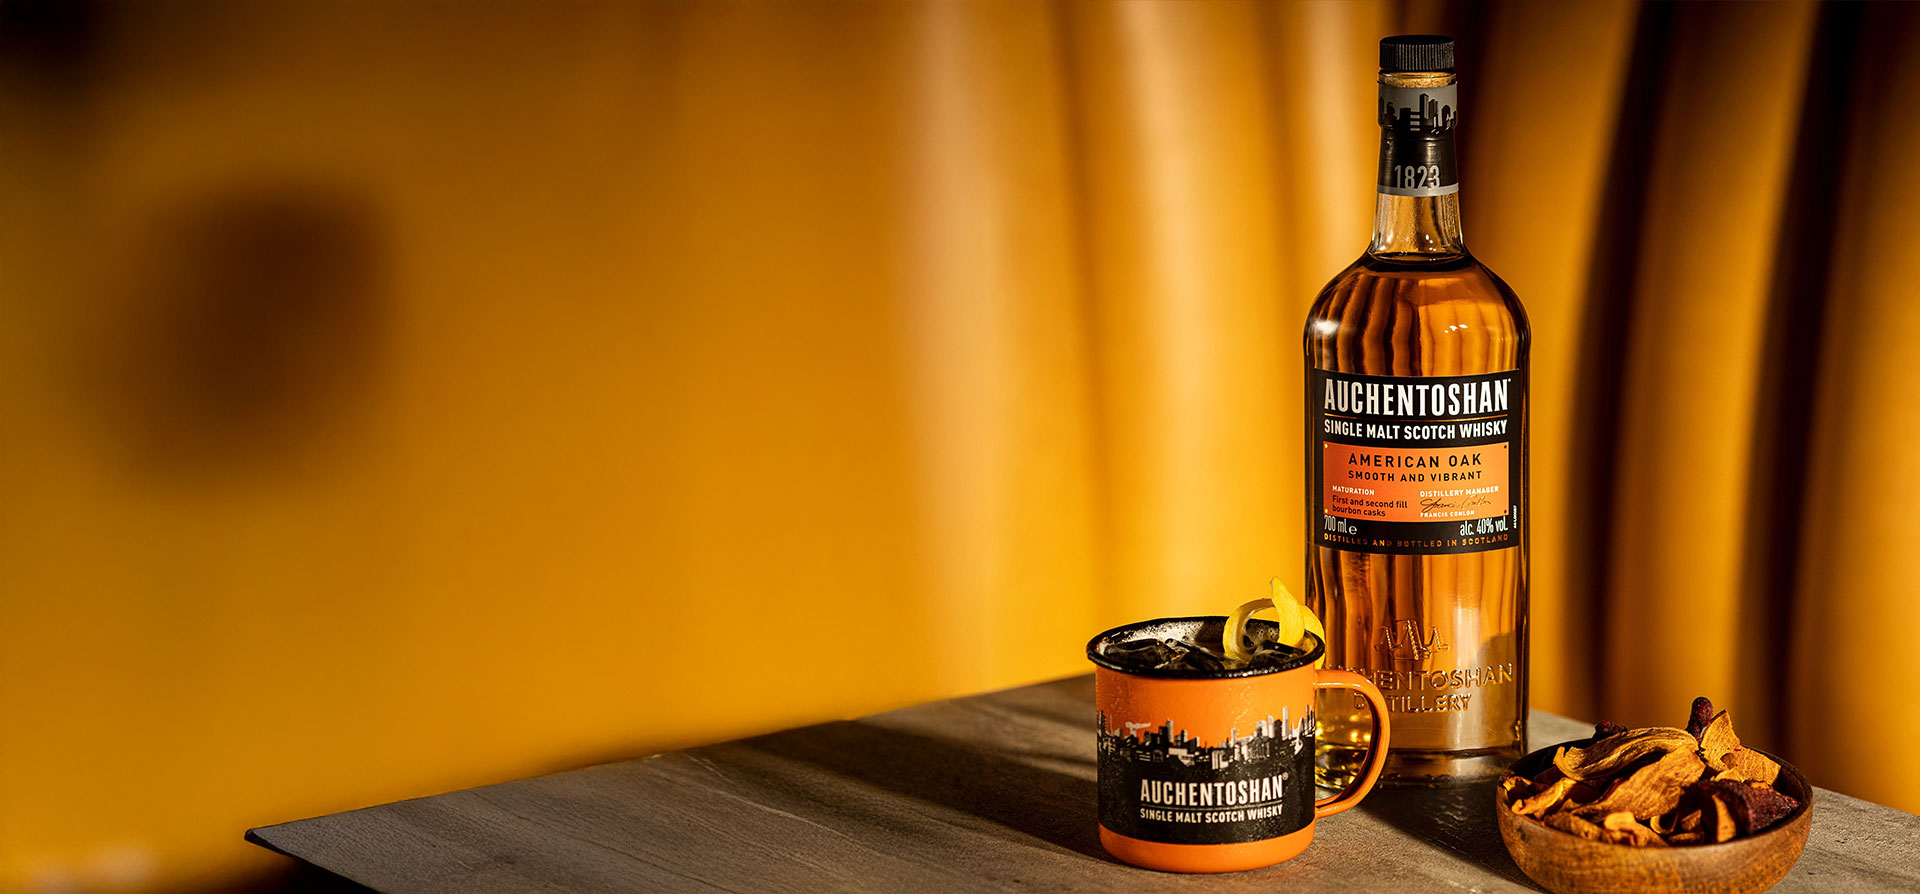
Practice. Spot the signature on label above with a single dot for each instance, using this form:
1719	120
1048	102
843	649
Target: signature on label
1435	504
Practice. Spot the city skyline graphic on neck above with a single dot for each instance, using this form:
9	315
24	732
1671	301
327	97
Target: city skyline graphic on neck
1429	114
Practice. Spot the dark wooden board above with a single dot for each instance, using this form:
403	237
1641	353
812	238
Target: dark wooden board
987	793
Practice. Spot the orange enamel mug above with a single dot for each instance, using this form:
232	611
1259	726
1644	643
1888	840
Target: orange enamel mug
1212	771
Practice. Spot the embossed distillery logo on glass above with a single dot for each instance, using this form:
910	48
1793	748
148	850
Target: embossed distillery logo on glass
1415	465
1431	690
1403	640
1159	782
1425	690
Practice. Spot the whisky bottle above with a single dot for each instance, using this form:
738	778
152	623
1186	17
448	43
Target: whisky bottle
1417	460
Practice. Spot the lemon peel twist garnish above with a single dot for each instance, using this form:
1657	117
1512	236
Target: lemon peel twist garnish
1295	619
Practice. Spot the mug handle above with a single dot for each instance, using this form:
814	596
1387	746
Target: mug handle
1376	754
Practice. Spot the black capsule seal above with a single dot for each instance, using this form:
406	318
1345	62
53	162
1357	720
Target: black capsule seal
1416	52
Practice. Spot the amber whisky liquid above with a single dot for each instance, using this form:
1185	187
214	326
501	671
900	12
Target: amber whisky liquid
1417	472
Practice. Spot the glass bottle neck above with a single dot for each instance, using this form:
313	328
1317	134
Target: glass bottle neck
1424	225
1418	210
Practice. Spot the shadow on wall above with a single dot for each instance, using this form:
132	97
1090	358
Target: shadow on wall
254	318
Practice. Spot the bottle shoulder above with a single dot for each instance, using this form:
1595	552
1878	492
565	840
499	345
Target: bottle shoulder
1432	299
1460	280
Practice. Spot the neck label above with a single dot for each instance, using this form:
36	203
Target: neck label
1416	140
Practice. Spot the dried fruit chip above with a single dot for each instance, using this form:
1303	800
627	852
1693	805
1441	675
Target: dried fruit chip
1546	778
1606	728
1651	790
1752	807
1567	822
1769	806
1693	837
1636	834
1753	765
1611	754
1665	823
1701	716
1717	741
1534	805
1724	825
1690	821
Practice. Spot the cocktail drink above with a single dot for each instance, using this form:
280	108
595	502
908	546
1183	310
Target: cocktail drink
1206	757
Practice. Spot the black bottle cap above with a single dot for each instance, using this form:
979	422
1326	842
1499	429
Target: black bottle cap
1416	52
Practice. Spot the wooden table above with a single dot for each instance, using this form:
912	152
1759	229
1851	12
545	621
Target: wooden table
988	793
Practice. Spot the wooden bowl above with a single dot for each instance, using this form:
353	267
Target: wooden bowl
1565	863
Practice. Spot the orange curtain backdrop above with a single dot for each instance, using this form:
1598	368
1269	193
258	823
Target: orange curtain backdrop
1849	679
406	397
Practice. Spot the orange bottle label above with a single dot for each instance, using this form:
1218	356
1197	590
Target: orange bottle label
1415	464
1398	484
